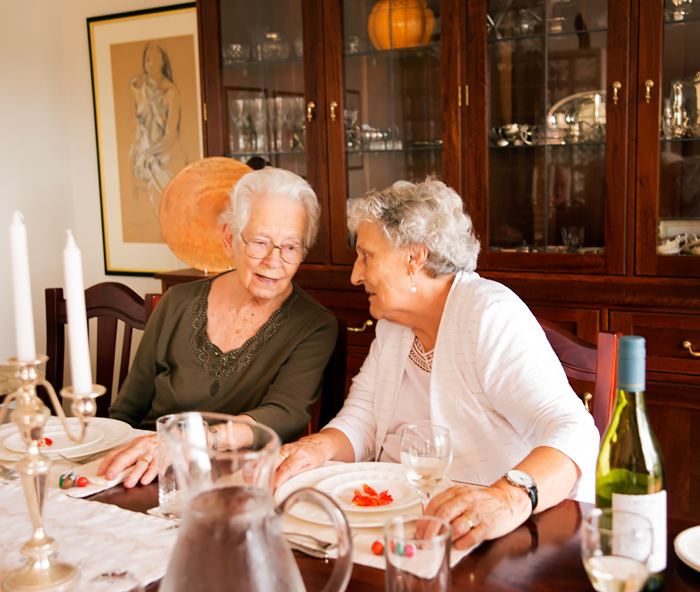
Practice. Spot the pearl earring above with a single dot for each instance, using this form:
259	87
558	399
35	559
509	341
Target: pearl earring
413	283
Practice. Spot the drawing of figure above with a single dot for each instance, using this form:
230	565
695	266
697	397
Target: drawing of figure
157	153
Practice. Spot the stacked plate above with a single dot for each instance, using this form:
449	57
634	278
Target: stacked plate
101	434
687	546
340	482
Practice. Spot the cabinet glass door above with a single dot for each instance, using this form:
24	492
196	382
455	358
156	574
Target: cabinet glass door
547	80
672	236
263	83
387	125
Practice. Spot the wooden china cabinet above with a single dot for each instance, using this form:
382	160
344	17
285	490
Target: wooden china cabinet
571	128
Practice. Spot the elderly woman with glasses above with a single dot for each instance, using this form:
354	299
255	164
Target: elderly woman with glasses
460	352
247	342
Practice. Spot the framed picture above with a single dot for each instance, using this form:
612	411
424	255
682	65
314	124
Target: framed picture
146	91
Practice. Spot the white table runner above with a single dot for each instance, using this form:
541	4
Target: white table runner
96	537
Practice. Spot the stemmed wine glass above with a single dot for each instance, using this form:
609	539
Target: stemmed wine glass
426	454
615	548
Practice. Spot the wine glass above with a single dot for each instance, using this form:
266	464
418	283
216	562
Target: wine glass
615	548
426	454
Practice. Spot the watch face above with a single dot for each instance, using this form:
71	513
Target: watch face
520	478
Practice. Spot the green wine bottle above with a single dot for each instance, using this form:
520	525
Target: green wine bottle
630	474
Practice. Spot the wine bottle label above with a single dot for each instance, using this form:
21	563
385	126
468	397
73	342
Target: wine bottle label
653	506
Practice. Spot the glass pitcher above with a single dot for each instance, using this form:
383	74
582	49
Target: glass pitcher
231	532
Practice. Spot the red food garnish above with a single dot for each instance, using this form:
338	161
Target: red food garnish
82	481
370	497
45	442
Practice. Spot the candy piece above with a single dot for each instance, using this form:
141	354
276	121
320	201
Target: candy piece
82	481
378	547
398	548
67	480
409	551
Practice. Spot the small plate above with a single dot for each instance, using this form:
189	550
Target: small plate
114	432
343	490
61	441
687	546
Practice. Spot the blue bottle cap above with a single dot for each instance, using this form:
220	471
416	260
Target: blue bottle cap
631	354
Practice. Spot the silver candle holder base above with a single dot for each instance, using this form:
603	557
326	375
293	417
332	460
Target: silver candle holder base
42	573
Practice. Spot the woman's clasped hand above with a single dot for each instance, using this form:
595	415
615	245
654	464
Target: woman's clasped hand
141	452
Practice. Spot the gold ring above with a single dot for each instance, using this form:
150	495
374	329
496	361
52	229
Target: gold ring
146	460
469	521
284	456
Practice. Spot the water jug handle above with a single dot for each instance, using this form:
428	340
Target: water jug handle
340	576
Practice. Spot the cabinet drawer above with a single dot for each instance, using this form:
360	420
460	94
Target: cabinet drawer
665	335
582	322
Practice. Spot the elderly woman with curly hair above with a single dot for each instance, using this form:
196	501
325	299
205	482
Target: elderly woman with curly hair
462	352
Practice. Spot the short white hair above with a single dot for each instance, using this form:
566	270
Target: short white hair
272	181
429	214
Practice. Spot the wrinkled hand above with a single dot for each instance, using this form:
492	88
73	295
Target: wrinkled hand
141	452
297	457
477	513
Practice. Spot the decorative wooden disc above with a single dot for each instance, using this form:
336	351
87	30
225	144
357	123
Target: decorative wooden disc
190	209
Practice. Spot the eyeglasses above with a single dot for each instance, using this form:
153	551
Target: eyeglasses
259	248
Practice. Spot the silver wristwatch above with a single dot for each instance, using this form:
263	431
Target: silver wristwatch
524	481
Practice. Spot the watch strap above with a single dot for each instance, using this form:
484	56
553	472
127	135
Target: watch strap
531	491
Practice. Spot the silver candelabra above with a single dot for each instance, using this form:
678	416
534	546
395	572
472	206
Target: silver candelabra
42	572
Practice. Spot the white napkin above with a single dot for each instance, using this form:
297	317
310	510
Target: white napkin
98	538
362	541
89	470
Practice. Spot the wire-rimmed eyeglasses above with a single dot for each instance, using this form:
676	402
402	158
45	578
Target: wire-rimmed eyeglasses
259	248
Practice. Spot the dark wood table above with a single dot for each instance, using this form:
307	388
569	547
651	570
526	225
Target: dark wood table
542	555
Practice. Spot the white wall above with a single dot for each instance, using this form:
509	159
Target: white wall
48	161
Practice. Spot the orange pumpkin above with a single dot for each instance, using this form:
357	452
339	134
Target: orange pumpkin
400	23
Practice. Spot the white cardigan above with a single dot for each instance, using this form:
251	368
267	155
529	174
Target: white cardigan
495	382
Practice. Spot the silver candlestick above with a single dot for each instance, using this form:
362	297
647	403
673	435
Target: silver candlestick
42	572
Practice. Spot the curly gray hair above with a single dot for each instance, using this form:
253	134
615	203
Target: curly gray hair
427	213
271	181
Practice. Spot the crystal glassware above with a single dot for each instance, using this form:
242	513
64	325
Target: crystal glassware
615	549
274	47
426	455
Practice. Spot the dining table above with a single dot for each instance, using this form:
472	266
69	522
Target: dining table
542	555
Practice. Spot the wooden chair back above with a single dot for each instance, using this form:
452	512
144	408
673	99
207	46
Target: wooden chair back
111	303
586	365
333	390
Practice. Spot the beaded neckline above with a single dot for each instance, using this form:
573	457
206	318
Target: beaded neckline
216	362
421	358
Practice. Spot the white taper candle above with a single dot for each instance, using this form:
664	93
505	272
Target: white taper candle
77	318
24	318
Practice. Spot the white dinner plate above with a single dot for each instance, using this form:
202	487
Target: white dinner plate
687	546
114	433
311	513
60	442
342	488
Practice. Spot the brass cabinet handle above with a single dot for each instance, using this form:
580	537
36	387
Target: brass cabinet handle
310	106
587	401
367	323
687	345
616	86
649	84
334	105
